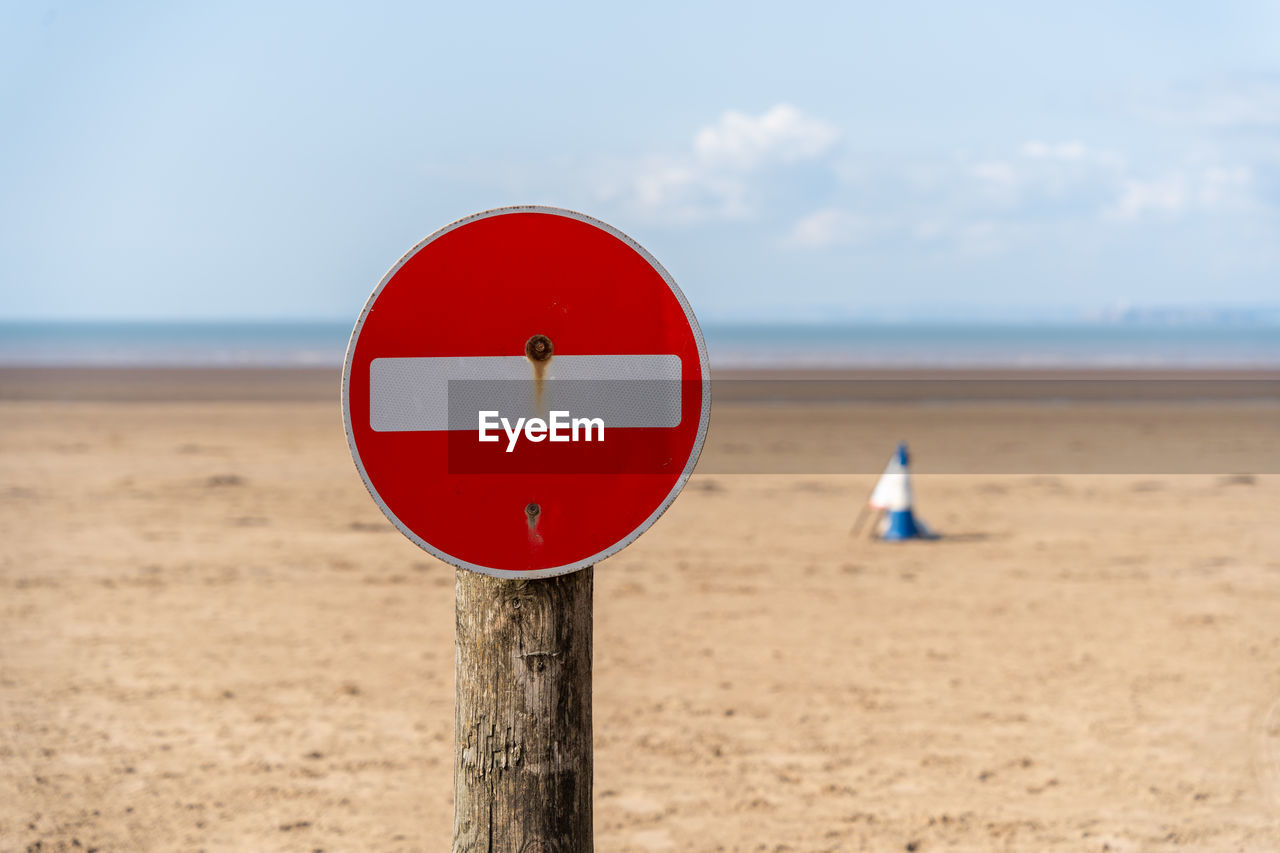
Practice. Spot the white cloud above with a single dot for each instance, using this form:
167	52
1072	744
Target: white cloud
1066	151
999	182
996	172
1214	189
833	227
680	193
1042	174
1070	153
828	227
1164	196
972	206
1223	189
781	134
741	165
1067	180
722	172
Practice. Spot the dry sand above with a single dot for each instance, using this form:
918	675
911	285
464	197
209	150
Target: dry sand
212	640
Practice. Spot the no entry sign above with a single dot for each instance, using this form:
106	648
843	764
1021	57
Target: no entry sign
525	392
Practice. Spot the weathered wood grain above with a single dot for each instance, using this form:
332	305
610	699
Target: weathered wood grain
522	717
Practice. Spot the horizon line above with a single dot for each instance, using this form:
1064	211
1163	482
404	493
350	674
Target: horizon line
1156	316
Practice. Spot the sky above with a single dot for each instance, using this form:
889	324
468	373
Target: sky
799	161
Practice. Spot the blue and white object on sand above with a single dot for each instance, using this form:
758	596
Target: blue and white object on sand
893	495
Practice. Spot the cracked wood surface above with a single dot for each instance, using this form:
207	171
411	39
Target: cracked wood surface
522	717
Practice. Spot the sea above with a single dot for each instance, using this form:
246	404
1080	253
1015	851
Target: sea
878	345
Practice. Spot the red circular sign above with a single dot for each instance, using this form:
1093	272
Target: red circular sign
525	392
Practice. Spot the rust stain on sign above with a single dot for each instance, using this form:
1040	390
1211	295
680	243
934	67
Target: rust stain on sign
533	512
539	350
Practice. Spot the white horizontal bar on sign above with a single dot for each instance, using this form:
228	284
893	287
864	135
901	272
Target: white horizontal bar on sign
427	394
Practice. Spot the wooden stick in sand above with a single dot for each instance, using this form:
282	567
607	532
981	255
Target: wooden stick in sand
522	719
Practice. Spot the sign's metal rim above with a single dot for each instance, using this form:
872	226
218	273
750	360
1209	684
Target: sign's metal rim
696	451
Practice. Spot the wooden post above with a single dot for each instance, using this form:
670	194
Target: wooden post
522	714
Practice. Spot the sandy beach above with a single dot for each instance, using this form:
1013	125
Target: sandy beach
211	639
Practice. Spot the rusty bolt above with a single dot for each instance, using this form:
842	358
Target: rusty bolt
533	511
539	348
